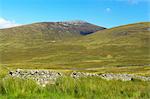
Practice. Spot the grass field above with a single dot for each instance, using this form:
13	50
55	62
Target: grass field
83	88
69	88
120	46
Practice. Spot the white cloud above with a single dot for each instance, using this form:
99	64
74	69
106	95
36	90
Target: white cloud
134	1
4	23
108	9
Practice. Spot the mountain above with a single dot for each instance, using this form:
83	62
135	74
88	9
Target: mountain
48	31
125	45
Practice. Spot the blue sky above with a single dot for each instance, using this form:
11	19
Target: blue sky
108	13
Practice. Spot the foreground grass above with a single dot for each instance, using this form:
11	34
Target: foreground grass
3	71
69	88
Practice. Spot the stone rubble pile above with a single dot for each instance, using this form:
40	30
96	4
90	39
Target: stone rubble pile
82	74
43	77
123	77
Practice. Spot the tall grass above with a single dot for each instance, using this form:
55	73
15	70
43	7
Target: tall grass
69	88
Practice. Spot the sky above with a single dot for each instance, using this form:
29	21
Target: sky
107	13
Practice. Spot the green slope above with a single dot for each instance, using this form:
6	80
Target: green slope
46	32
124	45
120	46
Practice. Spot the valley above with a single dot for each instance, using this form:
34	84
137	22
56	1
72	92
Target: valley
29	53
122	46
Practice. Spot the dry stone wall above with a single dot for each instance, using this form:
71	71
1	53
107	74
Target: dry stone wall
44	77
111	76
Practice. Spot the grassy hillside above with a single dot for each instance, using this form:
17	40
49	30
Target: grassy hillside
120	46
123	45
69	88
49	32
